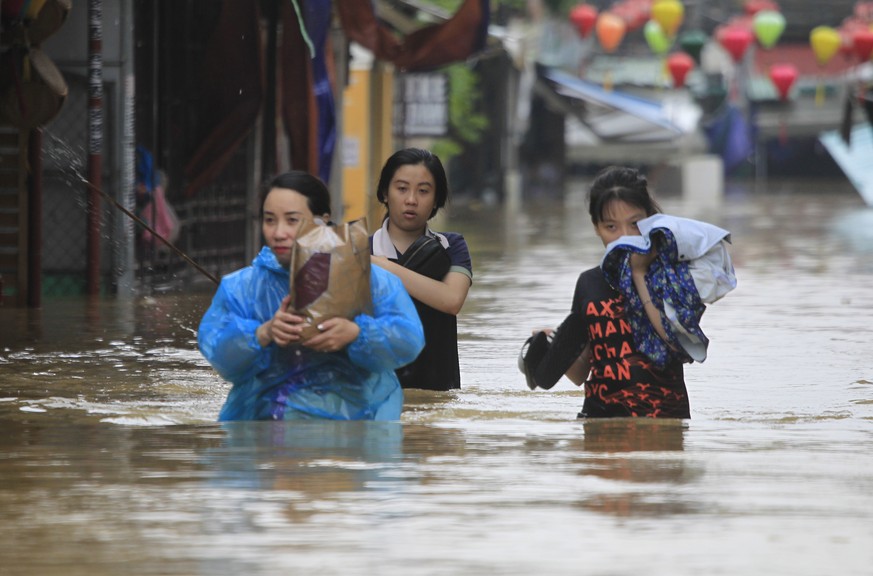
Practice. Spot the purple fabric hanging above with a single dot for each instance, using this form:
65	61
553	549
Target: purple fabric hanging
317	16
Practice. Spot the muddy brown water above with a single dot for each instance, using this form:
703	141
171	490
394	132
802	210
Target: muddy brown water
111	461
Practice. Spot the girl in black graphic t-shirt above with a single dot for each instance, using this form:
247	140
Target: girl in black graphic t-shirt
594	345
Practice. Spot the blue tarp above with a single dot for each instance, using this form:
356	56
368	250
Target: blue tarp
730	136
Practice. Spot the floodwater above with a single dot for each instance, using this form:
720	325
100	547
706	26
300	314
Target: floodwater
111	462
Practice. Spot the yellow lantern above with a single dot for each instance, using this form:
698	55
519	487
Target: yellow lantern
669	14
825	42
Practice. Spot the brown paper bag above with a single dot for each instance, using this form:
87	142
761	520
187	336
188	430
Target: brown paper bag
330	272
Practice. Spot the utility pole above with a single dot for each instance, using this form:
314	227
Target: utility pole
95	142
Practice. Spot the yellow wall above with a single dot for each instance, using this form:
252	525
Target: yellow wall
355	145
367	140
383	135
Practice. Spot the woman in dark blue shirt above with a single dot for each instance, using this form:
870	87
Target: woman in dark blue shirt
435	268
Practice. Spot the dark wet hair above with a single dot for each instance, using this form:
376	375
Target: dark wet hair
317	194
619	183
415	156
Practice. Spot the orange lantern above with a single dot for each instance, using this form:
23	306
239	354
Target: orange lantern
610	31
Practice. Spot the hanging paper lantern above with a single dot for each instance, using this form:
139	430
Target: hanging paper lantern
669	14
752	7
679	64
692	43
783	77
635	13
655	37
863	11
735	39
583	17
768	26
825	42
847	48
862	44
610	31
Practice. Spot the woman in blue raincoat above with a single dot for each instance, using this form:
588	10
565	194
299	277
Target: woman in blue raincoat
346	372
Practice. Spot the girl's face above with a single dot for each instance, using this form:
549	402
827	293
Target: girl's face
619	219
284	211
411	197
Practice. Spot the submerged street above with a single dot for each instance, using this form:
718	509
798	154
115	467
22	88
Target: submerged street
111	460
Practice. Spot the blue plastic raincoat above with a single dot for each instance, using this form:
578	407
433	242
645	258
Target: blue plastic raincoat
281	383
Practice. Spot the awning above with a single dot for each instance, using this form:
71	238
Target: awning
619	116
855	158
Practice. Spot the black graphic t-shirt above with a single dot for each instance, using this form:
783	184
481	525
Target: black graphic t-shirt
623	381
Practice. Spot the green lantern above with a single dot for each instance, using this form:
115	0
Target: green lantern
656	38
692	43
768	26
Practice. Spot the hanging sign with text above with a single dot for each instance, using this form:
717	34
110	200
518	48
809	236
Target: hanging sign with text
421	106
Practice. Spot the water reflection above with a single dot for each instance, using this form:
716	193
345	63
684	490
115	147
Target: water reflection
632	435
316	457
635	452
77	323
127	361
854	229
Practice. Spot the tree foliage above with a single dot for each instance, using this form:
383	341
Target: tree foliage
466	124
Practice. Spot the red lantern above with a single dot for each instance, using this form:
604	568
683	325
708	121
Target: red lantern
864	11
783	77
642	9
847	46
679	64
752	7
862	44
735	40
583	17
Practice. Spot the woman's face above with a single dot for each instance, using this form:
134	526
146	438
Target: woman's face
411	197
284	211
619	219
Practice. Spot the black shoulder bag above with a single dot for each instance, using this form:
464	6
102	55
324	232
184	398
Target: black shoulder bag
428	257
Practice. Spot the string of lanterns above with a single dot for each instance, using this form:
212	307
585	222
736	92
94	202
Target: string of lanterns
761	22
